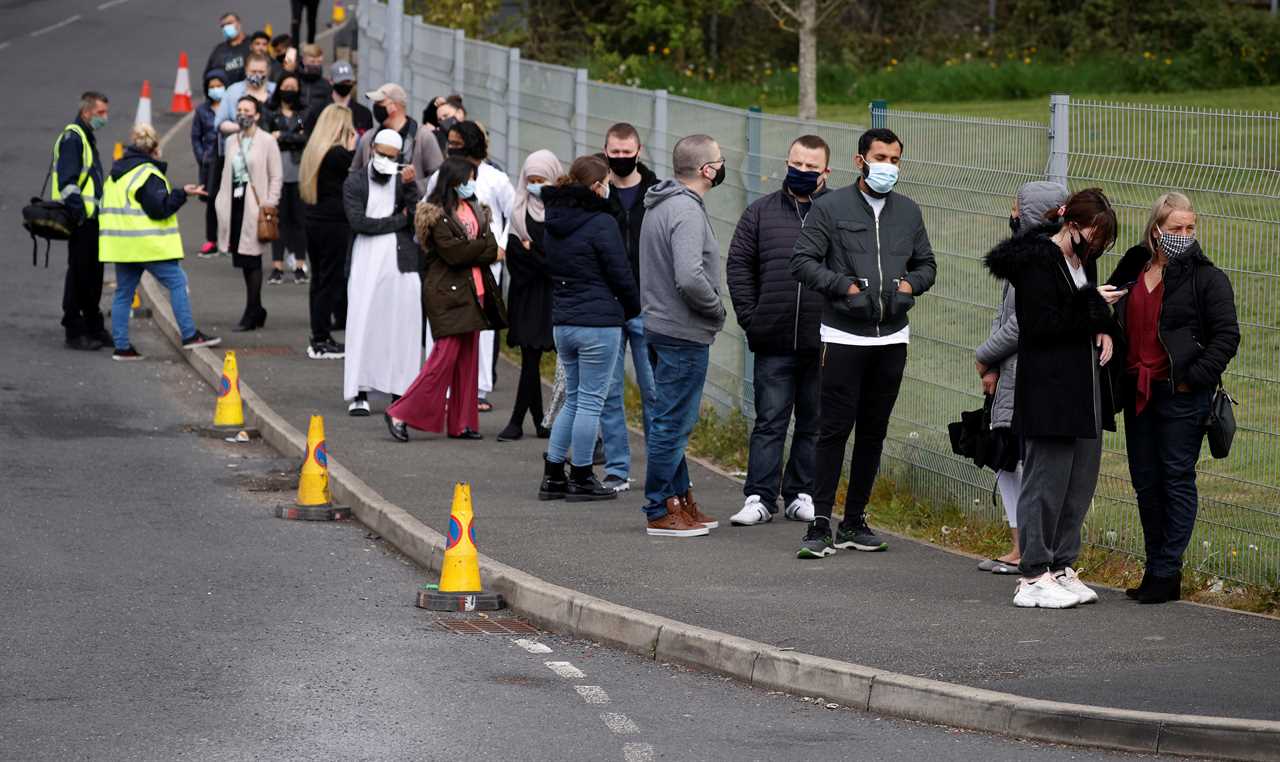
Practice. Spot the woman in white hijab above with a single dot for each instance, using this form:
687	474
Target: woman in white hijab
384	292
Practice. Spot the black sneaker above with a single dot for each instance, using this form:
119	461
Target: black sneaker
84	343
326	349
126	355
859	537
198	339
300	276
276	278
817	540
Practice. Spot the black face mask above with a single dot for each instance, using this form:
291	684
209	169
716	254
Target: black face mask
379	177
344	88
802	183
447	123
623	166
1081	247
719	178
290	97
1013	225
458	153
379	113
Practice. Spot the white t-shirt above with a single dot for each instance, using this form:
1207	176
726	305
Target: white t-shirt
831	335
1078	275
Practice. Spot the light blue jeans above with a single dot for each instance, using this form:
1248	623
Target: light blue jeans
170	275
589	355
613	419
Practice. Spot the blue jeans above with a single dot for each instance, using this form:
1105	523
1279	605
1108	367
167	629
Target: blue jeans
613	420
170	275
679	373
1163	445
784	383
588	355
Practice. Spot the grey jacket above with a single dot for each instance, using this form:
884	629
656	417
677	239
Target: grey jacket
679	266
1000	350
355	200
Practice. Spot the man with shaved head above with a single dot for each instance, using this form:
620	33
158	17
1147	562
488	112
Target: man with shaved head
682	310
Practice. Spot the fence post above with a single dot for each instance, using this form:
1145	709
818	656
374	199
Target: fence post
395	40
1059	137
658	141
580	113
513	110
879	113
754	171
459	60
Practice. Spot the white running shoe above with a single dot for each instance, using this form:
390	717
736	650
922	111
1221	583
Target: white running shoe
753	512
358	408
1070	581
1044	592
800	509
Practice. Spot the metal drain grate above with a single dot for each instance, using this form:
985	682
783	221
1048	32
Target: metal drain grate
486	626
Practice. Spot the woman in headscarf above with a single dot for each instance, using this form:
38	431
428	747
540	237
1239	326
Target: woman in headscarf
529	297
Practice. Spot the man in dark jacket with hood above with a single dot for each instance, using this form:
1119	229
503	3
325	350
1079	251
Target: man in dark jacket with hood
780	318
865	249
631	179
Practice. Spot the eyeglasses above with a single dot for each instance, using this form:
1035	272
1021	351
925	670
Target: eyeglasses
716	161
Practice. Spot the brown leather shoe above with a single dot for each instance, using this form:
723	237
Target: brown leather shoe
675	523
694	514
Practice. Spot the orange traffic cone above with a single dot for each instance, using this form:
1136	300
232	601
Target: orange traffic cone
181	103
460	588
144	105
314	501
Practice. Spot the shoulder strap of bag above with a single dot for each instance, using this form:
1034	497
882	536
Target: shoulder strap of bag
240	147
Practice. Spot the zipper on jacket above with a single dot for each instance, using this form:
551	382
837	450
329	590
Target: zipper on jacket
795	334
880	271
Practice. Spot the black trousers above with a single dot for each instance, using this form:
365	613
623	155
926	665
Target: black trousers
82	289
212	183
330	240
296	6
529	389
293	226
859	388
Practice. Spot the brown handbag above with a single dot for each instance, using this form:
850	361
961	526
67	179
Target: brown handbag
268	216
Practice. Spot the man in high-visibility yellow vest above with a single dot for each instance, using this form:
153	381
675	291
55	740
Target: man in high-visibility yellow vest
77	183
138	231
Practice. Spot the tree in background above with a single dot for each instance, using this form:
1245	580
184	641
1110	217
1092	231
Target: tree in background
803	17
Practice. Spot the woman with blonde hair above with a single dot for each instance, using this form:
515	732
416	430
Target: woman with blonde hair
324	166
1180	330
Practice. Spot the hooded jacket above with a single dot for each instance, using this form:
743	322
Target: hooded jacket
449	297
679	266
1198	324
158	202
778	315
1057	323
592	283
204	130
843	242
631	220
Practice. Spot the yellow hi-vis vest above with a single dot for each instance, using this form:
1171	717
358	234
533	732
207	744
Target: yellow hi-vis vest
125	232
88	193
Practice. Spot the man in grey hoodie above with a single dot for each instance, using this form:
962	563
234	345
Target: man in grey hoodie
682	309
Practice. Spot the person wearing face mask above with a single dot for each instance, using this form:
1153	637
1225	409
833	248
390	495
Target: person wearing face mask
1180	332
442	113
232	52
418	157
461	298
683	312
780	319
865	249
316	90
997	360
256	85
204	144
343	77
1063	398
384	292
286	123
529	294
253	178
77	183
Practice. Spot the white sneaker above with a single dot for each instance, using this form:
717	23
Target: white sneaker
1044	592
753	512
1070	581
358	408
800	509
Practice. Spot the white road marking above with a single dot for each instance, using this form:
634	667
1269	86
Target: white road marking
532	646
565	669
592	694
58	25
619	723
5	44
111	4
637	752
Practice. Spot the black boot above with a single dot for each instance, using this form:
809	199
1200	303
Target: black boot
1162	590
554	485
584	487
511	433
1136	592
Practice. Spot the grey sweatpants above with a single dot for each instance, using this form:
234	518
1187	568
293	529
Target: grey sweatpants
1059	476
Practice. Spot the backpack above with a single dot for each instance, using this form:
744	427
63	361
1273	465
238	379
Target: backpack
50	220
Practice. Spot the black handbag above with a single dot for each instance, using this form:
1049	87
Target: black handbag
1220	424
50	220
972	437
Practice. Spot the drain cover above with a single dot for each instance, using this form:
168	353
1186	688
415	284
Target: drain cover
486	626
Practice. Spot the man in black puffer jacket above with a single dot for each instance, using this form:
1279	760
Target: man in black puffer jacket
780	318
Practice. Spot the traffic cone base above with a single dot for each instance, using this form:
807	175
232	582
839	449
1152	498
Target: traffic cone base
314	502
434	600
460	588
313	512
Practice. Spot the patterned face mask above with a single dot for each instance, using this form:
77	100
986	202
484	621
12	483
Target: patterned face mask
1175	245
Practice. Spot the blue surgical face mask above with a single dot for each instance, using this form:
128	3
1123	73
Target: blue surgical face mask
880	176
229	31
216	93
535	189
467	189
97	122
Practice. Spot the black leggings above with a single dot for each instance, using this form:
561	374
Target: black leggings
252	295
529	390
293	231
330	240
312	7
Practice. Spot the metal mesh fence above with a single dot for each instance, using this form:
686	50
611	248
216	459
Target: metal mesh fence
963	172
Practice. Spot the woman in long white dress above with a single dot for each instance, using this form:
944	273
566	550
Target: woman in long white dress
384	292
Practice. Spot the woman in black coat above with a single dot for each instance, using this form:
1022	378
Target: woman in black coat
1180	329
529	295
1062	400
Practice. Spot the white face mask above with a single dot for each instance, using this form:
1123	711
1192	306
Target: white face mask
385	165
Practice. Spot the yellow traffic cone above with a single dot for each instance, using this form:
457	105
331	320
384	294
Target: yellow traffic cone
137	310
229	412
117	153
460	588
269	31
339	13
315	502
